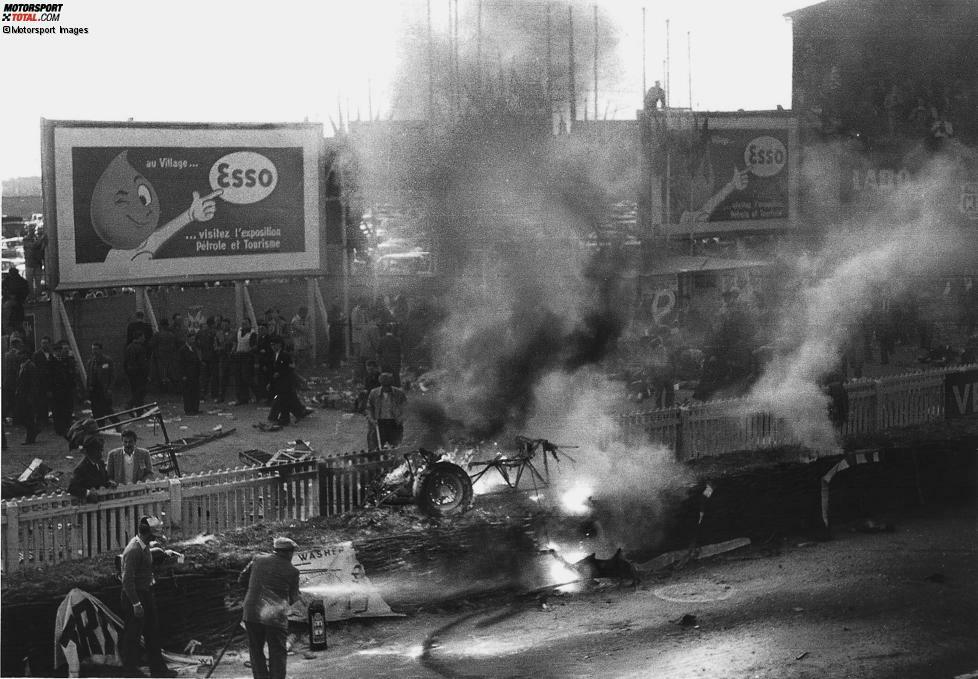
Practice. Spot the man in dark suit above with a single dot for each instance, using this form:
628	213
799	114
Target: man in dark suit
27	396
64	380
190	362
101	374
285	400
90	474
139	327
44	359
136	365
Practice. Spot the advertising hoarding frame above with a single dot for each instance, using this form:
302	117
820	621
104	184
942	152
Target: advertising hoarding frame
690	122
304	141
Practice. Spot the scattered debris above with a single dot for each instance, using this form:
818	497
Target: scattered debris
37	478
297	451
617	567
684	555
873	526
801	656
688	620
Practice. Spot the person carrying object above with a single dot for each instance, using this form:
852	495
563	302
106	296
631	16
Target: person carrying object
139	612
273	586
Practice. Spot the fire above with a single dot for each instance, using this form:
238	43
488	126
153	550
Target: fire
560	569
489	483
577	500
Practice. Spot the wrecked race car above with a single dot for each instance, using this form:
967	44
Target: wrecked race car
438	487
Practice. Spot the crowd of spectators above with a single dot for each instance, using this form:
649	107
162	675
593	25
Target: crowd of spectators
722	354
891	107
198	360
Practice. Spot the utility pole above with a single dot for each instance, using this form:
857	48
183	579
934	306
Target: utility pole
550	85
595	63
478	50
645	87
431	71
668	82
572	76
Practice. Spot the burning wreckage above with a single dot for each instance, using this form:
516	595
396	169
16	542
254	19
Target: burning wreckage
441	488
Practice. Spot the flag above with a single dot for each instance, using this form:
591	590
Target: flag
86	632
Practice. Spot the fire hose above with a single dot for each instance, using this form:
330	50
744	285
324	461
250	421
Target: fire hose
232	631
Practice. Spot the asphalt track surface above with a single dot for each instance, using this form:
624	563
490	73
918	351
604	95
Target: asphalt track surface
900	604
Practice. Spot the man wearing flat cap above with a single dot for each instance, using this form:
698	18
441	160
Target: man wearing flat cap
273	586
281	386
139	611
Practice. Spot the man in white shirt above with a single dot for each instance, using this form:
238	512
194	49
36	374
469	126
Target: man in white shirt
385	414
129	464
243	360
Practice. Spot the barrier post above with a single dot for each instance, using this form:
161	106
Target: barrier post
878	409
176	505
12	538
681	414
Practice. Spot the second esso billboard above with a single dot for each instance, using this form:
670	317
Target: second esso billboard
712	173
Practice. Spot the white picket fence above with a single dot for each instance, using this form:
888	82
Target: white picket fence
48	529
718	427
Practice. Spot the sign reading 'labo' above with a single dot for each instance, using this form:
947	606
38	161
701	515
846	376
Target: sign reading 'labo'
961	394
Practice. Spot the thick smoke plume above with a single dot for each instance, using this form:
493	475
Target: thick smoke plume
508	206
879	253
631	486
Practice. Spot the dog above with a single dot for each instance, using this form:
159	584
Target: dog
617	566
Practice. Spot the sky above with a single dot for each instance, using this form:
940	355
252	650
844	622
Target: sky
248	61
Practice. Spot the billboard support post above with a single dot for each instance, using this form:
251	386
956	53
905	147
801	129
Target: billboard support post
249	308
57	327
312	295
62	313
320	304
238	303
143	302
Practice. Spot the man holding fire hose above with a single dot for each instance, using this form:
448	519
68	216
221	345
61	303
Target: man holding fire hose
273	586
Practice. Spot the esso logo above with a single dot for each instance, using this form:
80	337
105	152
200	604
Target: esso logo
244	177
765	156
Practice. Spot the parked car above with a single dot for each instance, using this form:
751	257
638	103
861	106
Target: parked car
404	263
13	253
